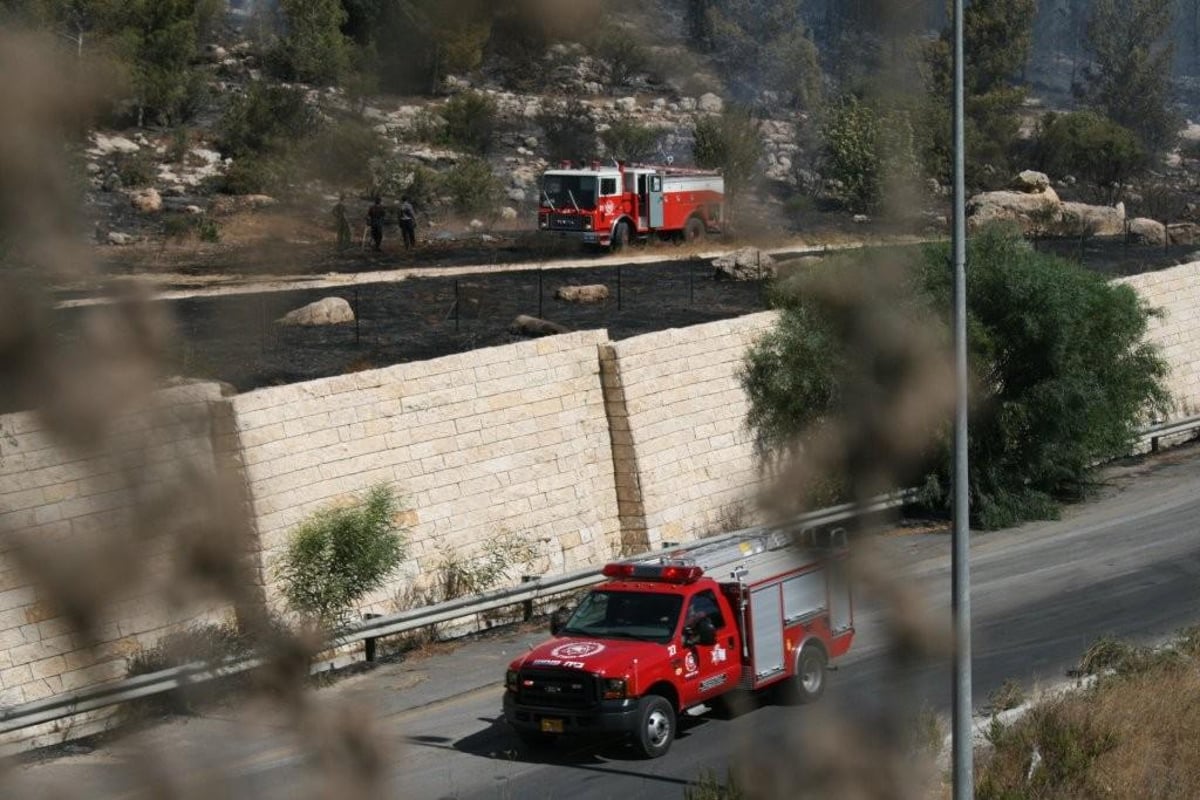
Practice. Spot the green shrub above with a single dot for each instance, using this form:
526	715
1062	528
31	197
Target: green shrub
264	120
500	557
342	152
569	131
627	140
313	49
472	187
186	226
729	142
136	169
339	555
470	121
395	176
1063	371
255	175
625	55
209	644
1088	146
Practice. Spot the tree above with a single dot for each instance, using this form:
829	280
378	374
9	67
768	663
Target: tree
339	555
570	131
758	44
1062	373
626	140
870	153
1130	80
313	49
1088	146
729	142
470	121
997	36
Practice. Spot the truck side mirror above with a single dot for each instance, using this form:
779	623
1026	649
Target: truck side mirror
706	633
558	620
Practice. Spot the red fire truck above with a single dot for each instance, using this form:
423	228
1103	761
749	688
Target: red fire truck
613	205
663	637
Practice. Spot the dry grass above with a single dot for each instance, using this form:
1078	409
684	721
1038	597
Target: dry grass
1136	734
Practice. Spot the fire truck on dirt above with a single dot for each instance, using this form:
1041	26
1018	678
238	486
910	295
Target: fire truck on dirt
614	205
675	634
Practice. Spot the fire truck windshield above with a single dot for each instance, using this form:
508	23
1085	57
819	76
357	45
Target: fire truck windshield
631	615
569	191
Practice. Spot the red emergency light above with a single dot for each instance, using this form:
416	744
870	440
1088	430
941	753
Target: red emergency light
670	573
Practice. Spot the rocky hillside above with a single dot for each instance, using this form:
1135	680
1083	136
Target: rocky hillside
470	150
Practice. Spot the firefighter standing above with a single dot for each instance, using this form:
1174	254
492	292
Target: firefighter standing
342	223
376	215
408	223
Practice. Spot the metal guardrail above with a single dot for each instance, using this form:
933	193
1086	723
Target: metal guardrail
1155	433
90	699
68	704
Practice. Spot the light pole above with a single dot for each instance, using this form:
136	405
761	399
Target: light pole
964	782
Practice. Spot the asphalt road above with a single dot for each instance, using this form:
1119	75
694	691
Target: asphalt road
1127	563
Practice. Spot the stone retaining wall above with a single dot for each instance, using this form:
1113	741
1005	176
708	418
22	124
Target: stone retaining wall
1176	292
501	440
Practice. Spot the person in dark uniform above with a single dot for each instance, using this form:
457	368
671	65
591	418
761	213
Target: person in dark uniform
408	223
342	223
376	216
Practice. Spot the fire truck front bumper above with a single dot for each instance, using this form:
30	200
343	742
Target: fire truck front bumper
611	716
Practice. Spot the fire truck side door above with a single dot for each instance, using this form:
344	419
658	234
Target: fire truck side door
709	669
655	201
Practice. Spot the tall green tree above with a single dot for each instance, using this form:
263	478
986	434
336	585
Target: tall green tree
1061	370
758	44
1130	79
729	142
313	48
997	36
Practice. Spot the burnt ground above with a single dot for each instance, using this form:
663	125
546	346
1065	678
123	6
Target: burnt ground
233	338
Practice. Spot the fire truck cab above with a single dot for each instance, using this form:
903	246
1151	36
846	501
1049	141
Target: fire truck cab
672	635
611	206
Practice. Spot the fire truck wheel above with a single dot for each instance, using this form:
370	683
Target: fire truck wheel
693	230
809	681
620	237
656	726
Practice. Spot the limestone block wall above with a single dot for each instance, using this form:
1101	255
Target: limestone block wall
505	439
1176	292
99	509
684	459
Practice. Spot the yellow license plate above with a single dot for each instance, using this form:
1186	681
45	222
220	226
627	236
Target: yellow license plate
552	726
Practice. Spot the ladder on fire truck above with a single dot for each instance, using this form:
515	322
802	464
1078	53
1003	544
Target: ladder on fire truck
746	555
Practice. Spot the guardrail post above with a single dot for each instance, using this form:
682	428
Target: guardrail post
527	605
370	643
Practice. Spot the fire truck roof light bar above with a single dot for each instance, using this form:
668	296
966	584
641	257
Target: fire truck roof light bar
670	573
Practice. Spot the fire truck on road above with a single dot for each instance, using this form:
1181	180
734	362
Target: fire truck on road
673	635
611	206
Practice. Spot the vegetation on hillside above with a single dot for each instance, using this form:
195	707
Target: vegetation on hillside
1062	375
1098	742
339	555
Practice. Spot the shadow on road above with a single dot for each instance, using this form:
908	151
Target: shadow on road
607	755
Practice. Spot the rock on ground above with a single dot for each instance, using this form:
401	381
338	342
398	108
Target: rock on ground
147	201
1034	212
525	325
120	239
326	311
746	264
1032	182
592	293
711	103
1081	218
1148	231
1183	232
